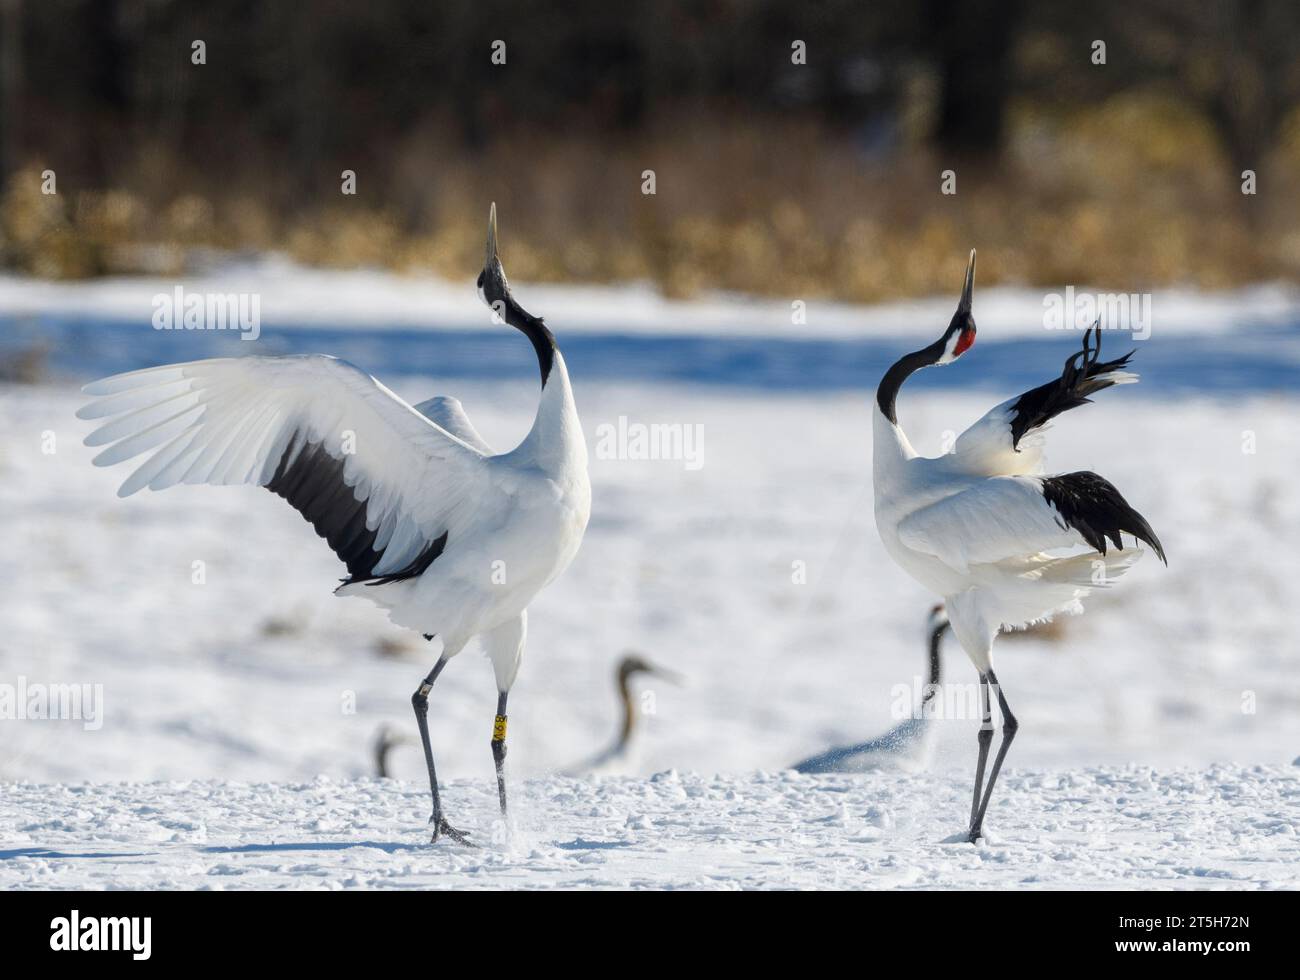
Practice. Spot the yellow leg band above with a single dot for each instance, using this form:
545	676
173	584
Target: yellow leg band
499	729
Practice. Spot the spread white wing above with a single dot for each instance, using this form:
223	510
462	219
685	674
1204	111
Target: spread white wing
997	519
383	484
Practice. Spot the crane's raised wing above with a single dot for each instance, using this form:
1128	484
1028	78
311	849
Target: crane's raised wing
1009	441
384	485
448	414
1010	517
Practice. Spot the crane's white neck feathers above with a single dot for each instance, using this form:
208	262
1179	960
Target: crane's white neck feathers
556	442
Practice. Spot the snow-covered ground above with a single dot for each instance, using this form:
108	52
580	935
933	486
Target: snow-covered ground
1218	828
758	576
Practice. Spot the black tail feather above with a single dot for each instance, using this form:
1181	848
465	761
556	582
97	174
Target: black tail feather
1092	506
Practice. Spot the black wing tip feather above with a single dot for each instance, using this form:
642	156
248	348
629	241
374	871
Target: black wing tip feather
313	483
1092	506
1079	379
417	567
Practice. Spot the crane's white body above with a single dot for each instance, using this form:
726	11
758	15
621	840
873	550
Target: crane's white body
974	527
908	746
513	521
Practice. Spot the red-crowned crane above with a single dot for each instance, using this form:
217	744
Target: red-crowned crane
978	526
451	538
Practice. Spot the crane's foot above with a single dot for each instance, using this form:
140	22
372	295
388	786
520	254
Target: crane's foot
974	835
443	829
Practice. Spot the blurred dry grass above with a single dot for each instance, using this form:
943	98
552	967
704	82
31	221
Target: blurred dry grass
1131	194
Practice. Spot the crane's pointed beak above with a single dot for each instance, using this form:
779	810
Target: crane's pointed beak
963	306
671	676
491	238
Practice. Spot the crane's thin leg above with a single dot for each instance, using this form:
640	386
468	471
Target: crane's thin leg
499	747
1009	726
985	738
420	701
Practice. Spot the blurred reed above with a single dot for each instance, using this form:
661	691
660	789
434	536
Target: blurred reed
1130	194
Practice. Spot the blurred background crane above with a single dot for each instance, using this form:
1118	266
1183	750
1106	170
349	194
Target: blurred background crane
907	743
620	757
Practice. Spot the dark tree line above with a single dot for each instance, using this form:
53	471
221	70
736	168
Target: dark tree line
291	86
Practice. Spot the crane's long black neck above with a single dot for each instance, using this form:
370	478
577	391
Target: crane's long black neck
932	688
629	710
536	331
903	368
936	637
